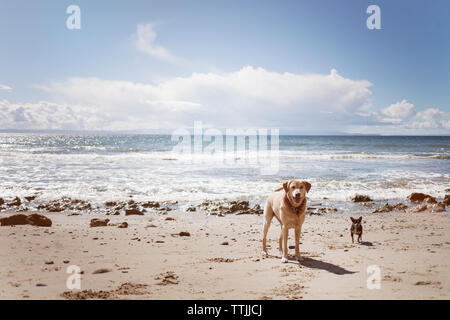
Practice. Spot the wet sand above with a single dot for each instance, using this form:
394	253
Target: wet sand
220	258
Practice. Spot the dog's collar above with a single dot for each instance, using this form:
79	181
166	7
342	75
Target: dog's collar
295	209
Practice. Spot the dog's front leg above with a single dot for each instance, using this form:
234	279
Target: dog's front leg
297	243
280	241
264	240
285	231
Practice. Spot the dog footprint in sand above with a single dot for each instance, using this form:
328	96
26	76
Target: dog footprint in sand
167	278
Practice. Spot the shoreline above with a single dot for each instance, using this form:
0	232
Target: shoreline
220	257
239	205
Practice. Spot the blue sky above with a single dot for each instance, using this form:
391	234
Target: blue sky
159	65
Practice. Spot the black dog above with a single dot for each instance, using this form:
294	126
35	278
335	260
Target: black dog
356	228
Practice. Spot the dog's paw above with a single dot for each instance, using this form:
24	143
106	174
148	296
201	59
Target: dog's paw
264	254
284	260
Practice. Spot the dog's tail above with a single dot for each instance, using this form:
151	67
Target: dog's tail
278	189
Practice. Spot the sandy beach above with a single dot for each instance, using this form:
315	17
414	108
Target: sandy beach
191	255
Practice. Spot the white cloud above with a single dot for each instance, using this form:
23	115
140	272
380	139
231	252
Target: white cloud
248	97
429	119
4	87
399	110
145	43
47	115
402	118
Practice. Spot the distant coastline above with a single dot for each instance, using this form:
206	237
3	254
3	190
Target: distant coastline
156	132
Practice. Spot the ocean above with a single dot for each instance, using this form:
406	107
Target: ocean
107	167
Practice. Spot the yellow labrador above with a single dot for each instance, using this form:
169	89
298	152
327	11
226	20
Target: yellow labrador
288	205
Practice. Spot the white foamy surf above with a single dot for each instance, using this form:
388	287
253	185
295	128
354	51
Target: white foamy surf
100	168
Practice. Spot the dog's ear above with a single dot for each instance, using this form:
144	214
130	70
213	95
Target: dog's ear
353	220
359	219
307	185
286	185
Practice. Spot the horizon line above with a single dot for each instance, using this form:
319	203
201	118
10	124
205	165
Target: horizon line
107	132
